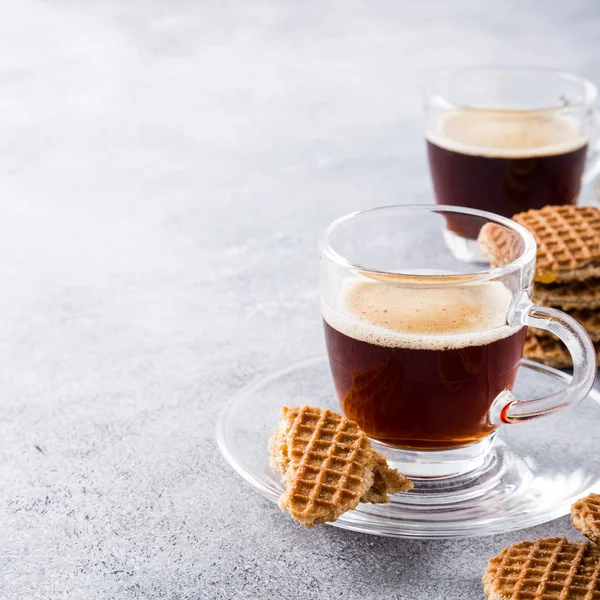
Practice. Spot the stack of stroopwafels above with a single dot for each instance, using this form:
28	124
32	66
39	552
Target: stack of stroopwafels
567	273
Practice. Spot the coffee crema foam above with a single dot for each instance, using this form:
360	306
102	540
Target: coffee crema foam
422	318
507	133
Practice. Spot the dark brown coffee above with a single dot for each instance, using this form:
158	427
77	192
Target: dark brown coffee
420	368
506	162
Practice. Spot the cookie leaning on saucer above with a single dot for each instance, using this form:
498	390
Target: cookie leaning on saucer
328	466
548	569
585	514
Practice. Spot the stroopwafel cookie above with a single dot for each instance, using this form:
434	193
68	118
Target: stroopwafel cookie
328	466
576	295
567	237
585	514
568	240
548	569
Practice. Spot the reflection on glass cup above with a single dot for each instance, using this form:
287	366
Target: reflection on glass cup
424	347
509	139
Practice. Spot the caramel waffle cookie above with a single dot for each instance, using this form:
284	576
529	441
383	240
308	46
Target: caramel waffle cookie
567	237
568	240
585	514
548	569
567	296
328	466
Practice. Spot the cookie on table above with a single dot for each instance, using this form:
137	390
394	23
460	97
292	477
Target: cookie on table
547	569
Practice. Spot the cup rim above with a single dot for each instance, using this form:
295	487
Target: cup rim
590	91
439	281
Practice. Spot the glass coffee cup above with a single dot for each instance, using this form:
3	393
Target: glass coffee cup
424	347
510	139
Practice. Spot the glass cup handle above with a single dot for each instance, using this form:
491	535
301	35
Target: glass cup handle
507	408
592	166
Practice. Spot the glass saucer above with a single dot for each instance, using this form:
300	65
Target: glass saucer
533	474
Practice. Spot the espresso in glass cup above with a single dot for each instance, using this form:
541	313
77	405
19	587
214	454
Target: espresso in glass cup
510	139
424	347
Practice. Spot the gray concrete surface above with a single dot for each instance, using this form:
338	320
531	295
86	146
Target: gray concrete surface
165	170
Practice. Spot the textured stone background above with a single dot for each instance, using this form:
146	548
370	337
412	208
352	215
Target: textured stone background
165	170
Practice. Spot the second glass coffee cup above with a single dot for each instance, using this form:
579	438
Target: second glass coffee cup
510	139
424	347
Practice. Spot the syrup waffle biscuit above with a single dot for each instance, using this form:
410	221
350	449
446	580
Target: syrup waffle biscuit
588	319
550	351
568	240
548	569
567	296
567	237
328	466
585	514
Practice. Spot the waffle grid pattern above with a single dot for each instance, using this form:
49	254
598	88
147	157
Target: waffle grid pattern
548	569
328	466
330	456
568	237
